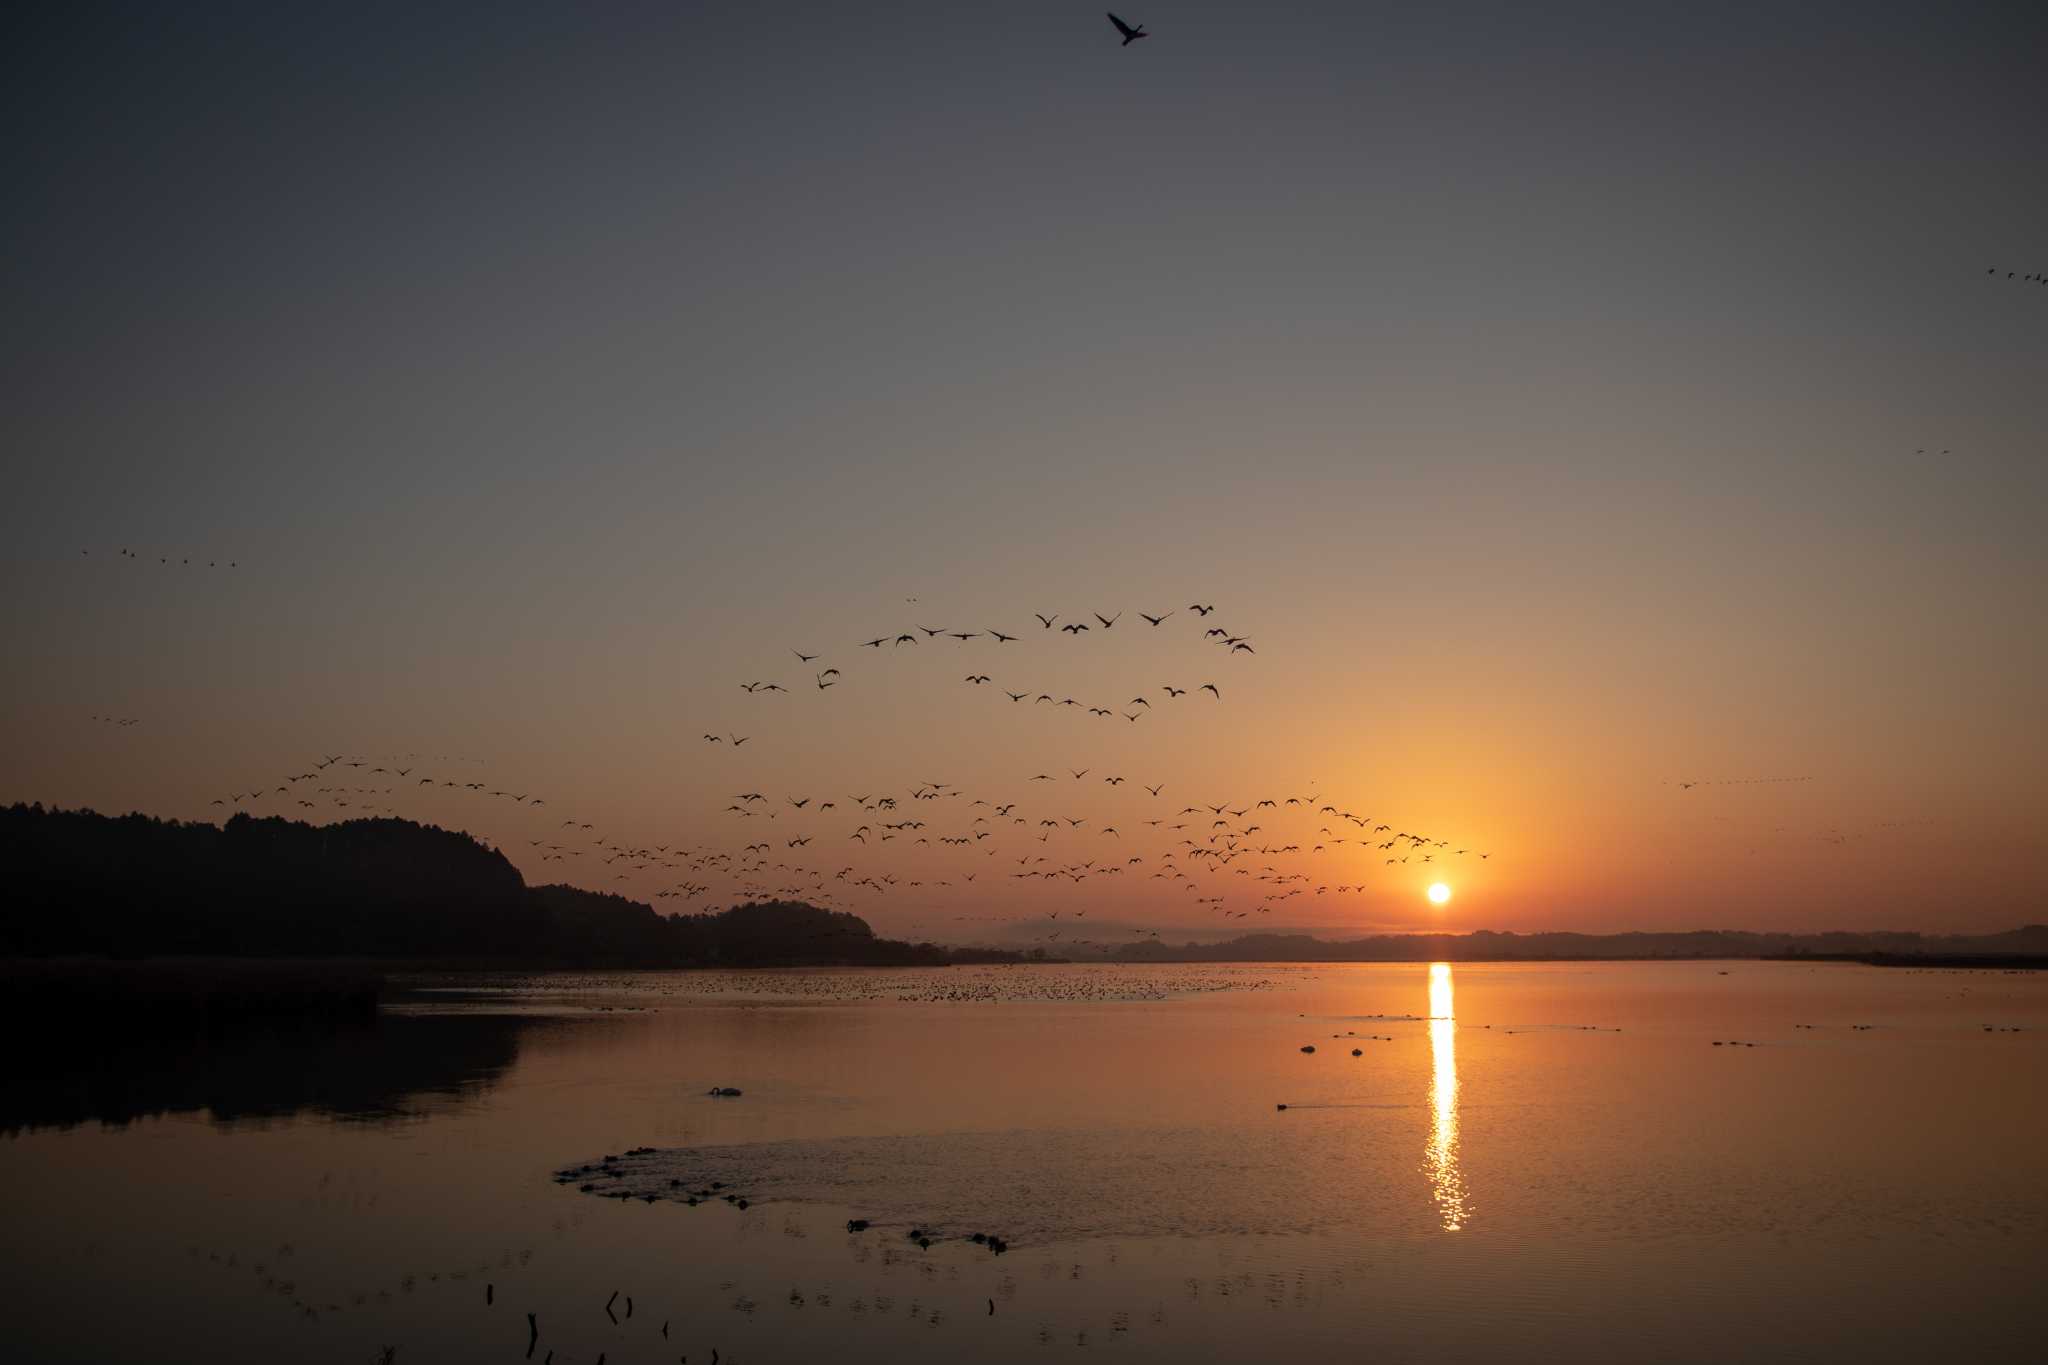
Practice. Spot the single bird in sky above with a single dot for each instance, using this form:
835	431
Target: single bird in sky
1131	35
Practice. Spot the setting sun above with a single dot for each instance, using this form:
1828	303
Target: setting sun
1439	893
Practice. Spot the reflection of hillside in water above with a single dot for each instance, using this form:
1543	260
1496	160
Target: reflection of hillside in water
379	1071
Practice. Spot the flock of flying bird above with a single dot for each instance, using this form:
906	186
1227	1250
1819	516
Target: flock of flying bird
1736	782
185	561
825	679
1074	826
2032	277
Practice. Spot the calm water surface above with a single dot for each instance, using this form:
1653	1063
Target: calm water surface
1521	1161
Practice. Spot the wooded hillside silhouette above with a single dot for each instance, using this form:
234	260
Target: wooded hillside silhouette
81	883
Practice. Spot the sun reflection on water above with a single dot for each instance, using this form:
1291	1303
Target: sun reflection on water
1440	1158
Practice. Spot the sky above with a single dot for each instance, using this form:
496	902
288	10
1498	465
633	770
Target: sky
1566	403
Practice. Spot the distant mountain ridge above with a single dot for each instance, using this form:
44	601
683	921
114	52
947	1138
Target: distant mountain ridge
1488	945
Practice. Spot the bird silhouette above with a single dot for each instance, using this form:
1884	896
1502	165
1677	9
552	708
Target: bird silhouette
1131	35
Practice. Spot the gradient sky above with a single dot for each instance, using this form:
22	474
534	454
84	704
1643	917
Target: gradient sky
1543	390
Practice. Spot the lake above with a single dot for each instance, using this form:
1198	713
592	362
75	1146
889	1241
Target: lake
1475	1162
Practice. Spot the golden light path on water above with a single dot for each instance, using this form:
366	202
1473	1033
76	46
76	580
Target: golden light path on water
1440	1160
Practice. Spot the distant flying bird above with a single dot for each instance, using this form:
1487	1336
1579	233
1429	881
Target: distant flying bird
1108	621
1131	35
1211	687
1155	620
1073	629
1001	638
1046	620
803	657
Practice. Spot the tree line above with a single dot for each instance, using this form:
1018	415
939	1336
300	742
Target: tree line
86	884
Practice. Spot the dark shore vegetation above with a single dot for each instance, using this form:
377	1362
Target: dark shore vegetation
380	892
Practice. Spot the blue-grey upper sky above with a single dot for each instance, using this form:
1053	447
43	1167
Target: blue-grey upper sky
1569	399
